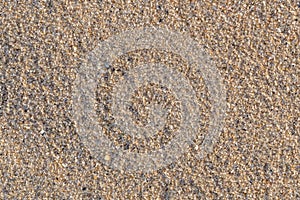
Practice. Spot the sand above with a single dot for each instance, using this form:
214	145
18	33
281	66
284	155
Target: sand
253	44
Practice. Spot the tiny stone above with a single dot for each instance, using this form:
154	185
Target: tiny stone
107	157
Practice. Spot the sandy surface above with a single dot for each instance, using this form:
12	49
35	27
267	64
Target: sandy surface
255	47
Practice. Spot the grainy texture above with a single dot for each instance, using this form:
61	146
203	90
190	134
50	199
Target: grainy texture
254	44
